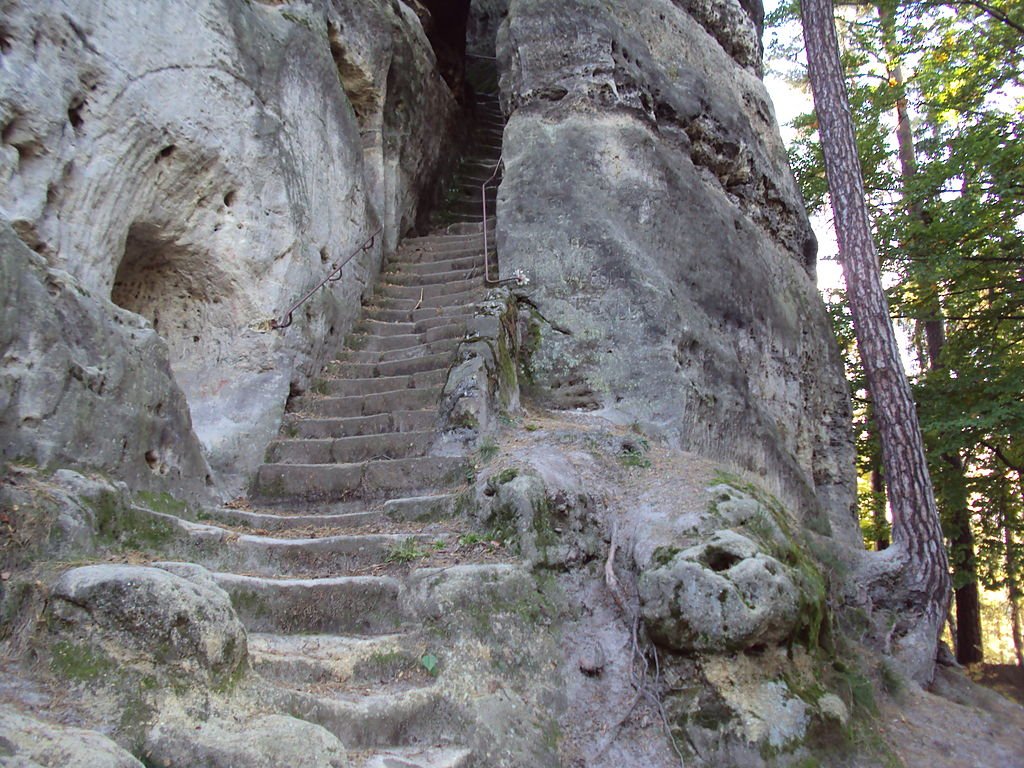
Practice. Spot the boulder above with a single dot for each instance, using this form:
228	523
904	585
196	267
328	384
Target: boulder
722	595
26	742
266	741
109	619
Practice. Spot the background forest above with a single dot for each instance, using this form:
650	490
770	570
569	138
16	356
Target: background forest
937	94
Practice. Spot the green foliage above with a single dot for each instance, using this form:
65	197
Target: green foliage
407	551
488	450
429	662
948	218
634	454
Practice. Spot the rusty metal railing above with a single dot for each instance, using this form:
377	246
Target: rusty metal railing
519	277
333	277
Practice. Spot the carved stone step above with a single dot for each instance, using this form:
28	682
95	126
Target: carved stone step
367	605
473	260
297	426
366	370
456	275
389	445
345	387
365	480
415	757
377	327
408	718
318	406
410	509
259	555
414	351
271	521
299	660
435	315
427	290
471	296
369	341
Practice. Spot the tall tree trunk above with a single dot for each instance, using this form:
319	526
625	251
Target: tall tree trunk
1013	591
1009	523
923	581
969	647
878	504
953	498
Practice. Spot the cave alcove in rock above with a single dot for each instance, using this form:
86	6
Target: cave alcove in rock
179	290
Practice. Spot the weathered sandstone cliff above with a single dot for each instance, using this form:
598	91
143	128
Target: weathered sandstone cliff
596	513
648	198
203	164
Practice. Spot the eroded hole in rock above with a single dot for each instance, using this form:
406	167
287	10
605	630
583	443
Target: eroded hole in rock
164	153
174	286
75	111
721	559
229	197
5	41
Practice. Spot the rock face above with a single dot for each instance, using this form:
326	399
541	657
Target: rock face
648	199
85	381
202	164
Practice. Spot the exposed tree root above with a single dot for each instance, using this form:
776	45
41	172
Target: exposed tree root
647	687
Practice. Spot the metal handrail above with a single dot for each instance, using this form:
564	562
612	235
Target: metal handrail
483	204
333	277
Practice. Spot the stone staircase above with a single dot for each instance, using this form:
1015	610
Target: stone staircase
353	479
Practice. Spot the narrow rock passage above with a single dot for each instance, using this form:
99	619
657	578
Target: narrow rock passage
350	485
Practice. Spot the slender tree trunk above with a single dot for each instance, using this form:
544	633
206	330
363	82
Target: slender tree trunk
969	646
965	573
1013	591
1009	524
917	537
878	502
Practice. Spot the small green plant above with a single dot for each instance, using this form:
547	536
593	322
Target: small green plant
472	539
531	427
438	545
892	680
634	454
429	662
406	552
488	450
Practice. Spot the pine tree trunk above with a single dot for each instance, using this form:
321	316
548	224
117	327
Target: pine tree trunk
965	573
917	545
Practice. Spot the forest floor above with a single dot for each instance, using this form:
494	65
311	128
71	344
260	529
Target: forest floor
957	724
1007	679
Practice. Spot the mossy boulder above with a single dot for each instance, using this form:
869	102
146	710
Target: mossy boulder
106	622
726	594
